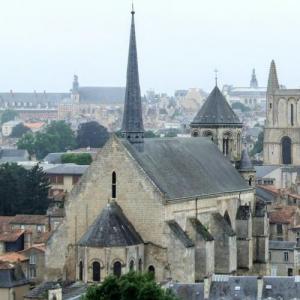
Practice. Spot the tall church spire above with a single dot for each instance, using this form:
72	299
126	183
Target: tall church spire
132	127
273	79
253	82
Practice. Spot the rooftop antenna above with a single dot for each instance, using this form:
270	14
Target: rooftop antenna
132	9
216	76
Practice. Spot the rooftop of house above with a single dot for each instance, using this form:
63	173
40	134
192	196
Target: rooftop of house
281	245
187	167
13	155
11	235
264	170
13	257
283	214
111	229
264	194
11	276
67	169
29	220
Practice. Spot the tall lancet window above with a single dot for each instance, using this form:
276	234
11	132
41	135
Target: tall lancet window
292	114
114	185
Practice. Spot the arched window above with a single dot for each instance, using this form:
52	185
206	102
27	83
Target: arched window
131	265
96	271
292	114
250	181
286	150
227	218
151	270
117	269
140	265
114	185
225	146
80	271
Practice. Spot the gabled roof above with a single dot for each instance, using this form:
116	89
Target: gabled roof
216	111
13	257
283	214
11	235
66	169
111	229
187	167
180	234
30	219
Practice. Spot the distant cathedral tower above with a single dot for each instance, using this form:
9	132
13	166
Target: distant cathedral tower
282	127
253	82
132	127
217	120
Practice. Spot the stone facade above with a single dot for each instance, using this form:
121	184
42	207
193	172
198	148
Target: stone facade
281	134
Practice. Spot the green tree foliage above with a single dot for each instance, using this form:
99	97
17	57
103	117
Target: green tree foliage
57	137
241	106
91	134
77	158
19	130
8	115
132	286
23	191
258	146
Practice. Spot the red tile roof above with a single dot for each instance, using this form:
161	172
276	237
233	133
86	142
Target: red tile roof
283	214
30	219
13	257
4	223
11	235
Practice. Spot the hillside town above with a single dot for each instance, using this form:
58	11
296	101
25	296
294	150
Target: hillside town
199	189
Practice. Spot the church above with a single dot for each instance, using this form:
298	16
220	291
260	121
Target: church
175	207
281	134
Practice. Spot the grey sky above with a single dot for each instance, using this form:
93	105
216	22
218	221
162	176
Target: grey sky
43	43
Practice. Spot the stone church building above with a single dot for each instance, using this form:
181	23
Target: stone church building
281	134
175	207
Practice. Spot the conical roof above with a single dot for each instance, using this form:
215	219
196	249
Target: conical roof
111	229
132	117
216	110
245	163
273	84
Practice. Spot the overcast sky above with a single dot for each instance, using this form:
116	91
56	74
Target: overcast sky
180	42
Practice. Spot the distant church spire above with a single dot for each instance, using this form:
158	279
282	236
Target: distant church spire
75	84
253	82
273	79
132	126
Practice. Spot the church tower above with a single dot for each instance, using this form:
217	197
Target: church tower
281	134
253	82
132	127
217	120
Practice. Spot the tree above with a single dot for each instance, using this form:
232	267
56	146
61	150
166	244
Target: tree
23	191
241	106
258	146
19	130
132	286
91	134
8	115
76	158
57	137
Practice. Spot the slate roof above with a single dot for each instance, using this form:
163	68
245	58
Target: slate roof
233	288
67	169
200	229
39	291
281	287
33	97
265	195
216	110
53	158
282	245
102	95
111	229
262	171
187	167
180	234
245	162
13	155
184	291
11	276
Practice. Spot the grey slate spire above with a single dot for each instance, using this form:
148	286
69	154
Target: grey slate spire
273	84
245	163
132	127
253	82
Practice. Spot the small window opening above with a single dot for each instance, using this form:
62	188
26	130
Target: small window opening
114	185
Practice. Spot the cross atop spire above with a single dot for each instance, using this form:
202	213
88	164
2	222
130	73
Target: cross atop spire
132	127
216	76
273	84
